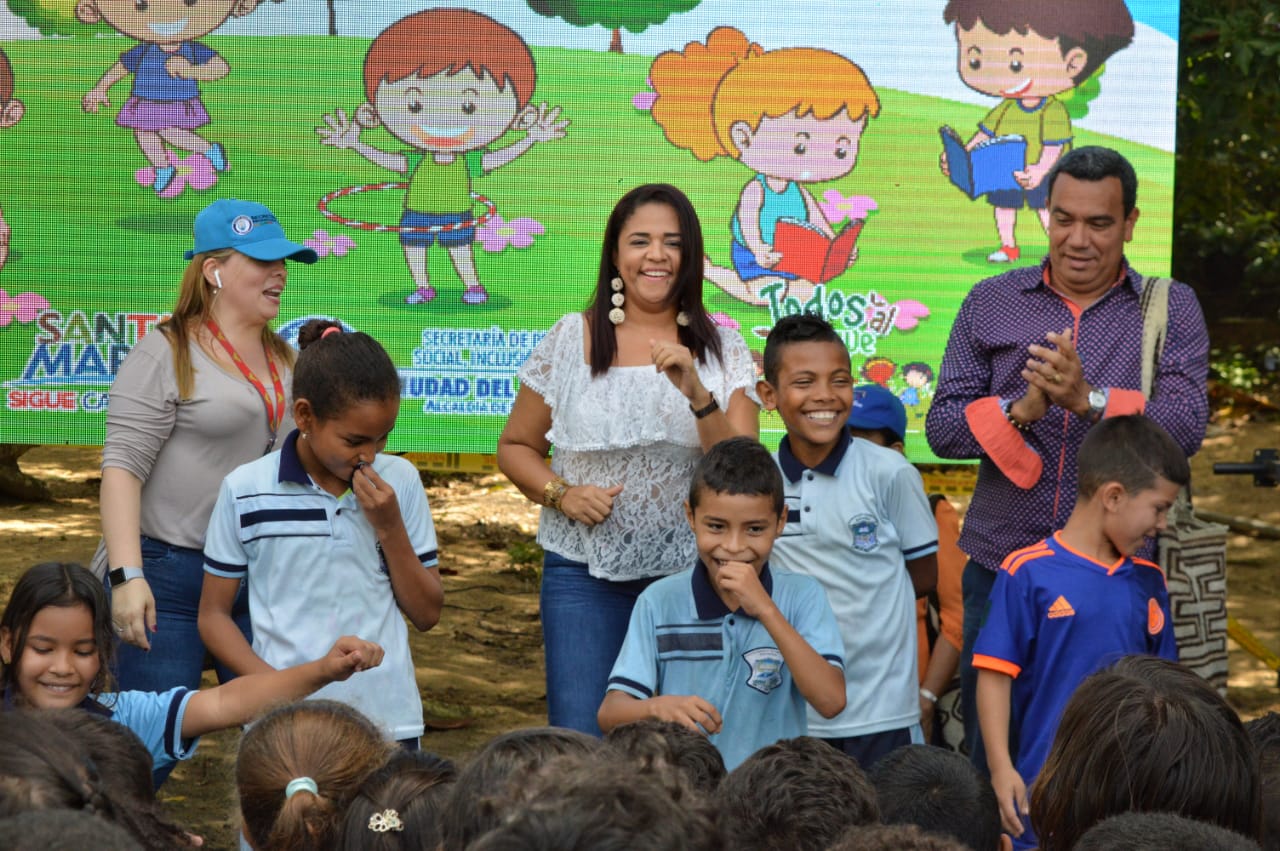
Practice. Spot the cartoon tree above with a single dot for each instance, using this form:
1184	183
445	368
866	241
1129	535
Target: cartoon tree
332	7
50	17
58	17
612	14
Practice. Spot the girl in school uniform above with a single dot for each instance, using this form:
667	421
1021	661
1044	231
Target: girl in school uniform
329	533
55	649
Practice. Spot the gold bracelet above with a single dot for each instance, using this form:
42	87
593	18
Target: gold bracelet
553	492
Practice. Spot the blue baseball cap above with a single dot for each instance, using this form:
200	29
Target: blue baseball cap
247	227
875	407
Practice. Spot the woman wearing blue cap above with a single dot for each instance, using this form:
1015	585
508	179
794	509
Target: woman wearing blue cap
189	405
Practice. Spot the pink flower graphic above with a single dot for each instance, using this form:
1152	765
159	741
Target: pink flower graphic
837	207
193	172
909	314
324	243
724	320
24	307
643	100
498	233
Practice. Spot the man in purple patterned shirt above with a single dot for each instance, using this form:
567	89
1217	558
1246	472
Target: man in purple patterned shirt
1036	357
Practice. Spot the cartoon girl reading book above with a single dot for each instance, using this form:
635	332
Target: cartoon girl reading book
794	116
164	108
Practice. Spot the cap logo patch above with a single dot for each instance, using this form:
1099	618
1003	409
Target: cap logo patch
242	225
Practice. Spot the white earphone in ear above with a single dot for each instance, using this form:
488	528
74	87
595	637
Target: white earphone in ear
217	278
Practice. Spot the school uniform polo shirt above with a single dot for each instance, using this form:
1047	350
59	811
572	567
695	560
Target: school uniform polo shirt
154	717
683	640
316	572
853	522
1056	616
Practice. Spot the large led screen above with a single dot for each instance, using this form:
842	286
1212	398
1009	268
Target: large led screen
453	165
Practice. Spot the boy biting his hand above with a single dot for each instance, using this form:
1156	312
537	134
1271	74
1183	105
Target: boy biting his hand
731	647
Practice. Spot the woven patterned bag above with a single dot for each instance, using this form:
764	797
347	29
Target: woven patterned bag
1192	552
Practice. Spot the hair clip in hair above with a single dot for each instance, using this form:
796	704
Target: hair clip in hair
385	821
300	784
332	329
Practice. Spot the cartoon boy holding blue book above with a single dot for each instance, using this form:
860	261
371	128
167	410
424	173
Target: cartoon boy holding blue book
1029	55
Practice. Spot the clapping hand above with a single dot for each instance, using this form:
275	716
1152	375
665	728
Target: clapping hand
1057	371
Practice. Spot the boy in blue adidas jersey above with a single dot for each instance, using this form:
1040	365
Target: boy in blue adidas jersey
732	648
1075	602
859	522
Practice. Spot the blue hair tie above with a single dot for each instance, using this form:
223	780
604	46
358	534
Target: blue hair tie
298	784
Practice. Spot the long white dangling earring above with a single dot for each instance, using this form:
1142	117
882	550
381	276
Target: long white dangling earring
616	316
682	319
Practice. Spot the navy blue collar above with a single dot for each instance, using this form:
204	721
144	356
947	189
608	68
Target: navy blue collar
290	464
793	469
708	602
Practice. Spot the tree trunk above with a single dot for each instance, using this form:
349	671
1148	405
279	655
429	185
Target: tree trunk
16	484
615	41
333	18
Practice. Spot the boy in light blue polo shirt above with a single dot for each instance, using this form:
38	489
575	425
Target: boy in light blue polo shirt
731	648
859	522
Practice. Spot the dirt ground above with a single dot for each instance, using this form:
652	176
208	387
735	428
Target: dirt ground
480	669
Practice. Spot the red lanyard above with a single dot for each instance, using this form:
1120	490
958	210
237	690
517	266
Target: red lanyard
274	416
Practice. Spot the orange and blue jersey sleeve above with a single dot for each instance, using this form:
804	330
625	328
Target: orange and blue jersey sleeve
1009	628
1161	640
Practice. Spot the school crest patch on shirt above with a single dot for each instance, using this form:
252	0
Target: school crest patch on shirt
864	533
766	668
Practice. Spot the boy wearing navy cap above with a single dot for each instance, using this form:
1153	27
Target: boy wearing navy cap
1075	602
858	522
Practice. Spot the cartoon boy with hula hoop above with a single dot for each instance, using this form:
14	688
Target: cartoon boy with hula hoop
445	82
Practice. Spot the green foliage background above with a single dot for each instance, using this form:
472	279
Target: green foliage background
1226	215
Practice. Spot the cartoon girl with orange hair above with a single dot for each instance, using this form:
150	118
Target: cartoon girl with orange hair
793	116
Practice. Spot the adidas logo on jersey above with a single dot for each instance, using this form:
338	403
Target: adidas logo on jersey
1061	609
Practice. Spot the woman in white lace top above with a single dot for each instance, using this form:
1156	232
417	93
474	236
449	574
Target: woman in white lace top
630	393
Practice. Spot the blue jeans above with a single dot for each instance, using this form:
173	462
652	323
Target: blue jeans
584	620
975	585
177	655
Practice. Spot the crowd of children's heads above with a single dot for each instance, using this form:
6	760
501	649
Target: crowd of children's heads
1147	756
1150	735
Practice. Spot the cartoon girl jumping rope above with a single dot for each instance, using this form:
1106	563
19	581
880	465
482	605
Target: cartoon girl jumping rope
794	116
164	105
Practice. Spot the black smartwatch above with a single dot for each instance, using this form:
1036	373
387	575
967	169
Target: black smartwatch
121	575
711	408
